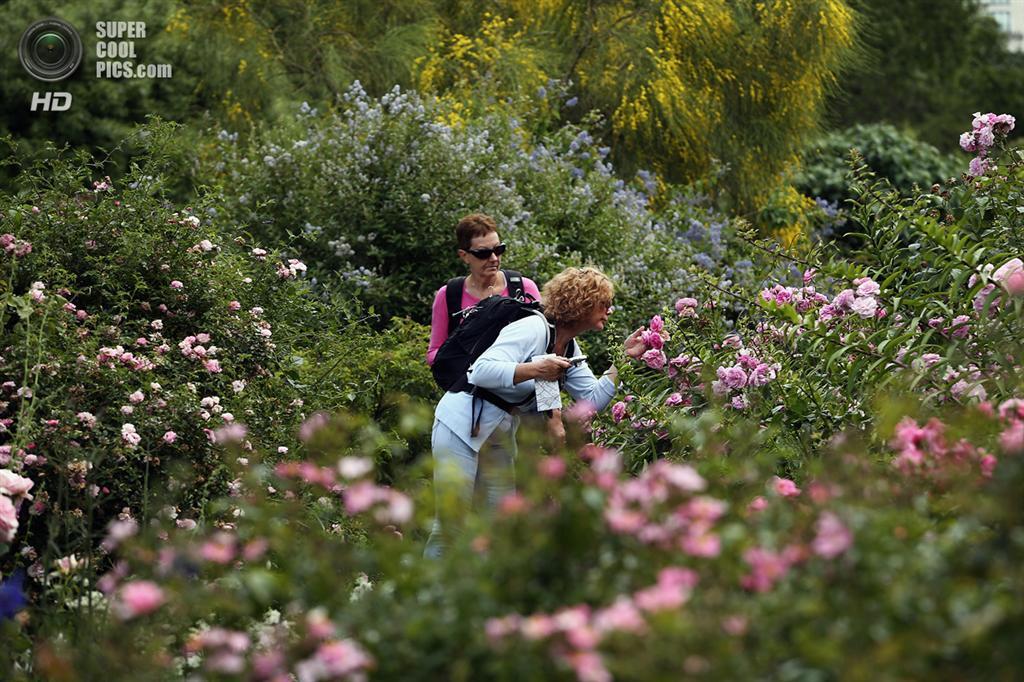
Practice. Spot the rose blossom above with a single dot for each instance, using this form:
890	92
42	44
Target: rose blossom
138	598
654	358
733	377
785	487
8	519
833	537
15	486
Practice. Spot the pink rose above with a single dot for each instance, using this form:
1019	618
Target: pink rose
1012	439
618	411
220	549
175	284
843	300
8	519
1008	268
1014	283
137	598
687	307
978	166
987	465
733	377
833	538
552	467
652	339
785	487
170	437
866	286
15	486
865	306
654	358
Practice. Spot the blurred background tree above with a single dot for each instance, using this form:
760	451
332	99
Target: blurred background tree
103	111
680	84
928	64
726	94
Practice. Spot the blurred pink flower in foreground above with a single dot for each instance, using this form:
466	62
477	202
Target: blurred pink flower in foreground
137	598
833	537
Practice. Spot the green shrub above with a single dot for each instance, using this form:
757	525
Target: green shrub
586	573
890	153
137	334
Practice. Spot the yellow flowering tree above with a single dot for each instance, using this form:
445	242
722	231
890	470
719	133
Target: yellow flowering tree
680	82
260	56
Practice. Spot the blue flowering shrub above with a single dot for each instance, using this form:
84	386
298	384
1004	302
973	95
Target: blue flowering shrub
368	196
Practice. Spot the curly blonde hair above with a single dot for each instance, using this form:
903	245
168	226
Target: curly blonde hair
572	294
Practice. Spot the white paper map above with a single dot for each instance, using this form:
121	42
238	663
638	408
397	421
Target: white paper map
549	397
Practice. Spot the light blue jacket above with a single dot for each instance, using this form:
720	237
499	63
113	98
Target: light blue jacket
495	370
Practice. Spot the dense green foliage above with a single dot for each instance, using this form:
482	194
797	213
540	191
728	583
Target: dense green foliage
840	455
369	197
924	63
896	156
103	111
134	332
215	414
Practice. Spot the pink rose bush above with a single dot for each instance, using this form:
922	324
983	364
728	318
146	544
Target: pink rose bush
757	474
109	355
986	131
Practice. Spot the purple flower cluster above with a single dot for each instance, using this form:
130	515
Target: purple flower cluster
982	136
18	248
862	301
803	298
748	370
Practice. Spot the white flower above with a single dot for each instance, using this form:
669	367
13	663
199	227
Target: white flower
354	467
865	306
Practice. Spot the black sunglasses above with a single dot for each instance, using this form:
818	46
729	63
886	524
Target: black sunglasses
484	254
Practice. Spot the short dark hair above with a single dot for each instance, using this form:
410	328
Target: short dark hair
471	226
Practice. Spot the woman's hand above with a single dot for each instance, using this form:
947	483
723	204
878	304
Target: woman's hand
634	344
550	369
545	369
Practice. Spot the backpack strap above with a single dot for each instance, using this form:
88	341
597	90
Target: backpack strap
453	300
479	393
453	294
514	281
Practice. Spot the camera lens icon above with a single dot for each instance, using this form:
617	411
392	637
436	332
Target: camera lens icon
50	49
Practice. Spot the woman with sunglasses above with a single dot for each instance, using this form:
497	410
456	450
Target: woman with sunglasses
475	439
481	249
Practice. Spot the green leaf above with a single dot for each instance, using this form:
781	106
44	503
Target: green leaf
22	305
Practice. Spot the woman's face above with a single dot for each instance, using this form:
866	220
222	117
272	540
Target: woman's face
482	268
597	318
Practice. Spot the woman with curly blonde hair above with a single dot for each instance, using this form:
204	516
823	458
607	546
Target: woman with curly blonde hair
474	438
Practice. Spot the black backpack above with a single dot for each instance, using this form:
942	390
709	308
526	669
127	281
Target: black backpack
453	296
480	327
